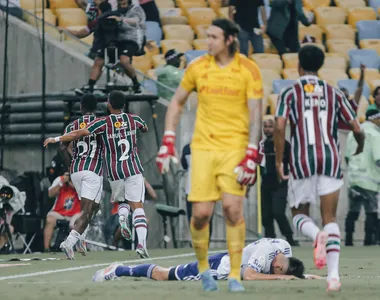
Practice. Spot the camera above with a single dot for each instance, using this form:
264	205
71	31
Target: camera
6	194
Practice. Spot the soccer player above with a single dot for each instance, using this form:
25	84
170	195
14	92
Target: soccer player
86	174
313	108
118	132
265	259
225	142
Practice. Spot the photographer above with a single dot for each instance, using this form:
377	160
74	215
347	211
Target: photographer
66	206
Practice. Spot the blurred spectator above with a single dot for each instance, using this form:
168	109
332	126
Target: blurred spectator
355	100
13	8
376	97
364	179
169	74
59	164
283	24
66	206
245	14
274	193
151	11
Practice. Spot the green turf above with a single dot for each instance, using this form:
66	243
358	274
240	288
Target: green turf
359	271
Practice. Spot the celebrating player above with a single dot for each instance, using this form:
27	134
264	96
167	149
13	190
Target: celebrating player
226	137
86	174
118	132
313	108
265	259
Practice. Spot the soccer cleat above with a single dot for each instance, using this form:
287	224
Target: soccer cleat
67	249
320	250
141	250
81	247
235	286
107	273
333	285
208	282
125	230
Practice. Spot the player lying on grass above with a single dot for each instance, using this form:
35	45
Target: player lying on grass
265	259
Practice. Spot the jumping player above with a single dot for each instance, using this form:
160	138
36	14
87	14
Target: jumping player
265	259
225	143
313	108
86	174
118	132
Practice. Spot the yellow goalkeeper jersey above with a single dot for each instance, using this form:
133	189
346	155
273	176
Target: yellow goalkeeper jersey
222	118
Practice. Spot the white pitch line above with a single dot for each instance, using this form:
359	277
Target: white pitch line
97	265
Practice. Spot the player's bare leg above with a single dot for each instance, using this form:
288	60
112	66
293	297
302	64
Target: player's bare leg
304	224
235	223
123	212
141	226
80	225
329	205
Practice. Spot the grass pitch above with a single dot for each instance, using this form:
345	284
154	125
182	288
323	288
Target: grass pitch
63	279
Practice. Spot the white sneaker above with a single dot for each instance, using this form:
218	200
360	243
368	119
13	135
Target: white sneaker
333	285
81	247
67	249
106	274
142	251
125	230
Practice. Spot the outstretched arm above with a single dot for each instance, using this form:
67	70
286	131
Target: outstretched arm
250	274
255	117
68	137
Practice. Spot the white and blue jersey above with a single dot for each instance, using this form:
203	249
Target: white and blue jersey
258	255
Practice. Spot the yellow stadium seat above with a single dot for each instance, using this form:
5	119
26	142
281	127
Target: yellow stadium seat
170	16
362	108
186	4
71	17
290	73
339	31
158	60
332	76
223	12
200	16
200	44
55	4
142	63
348	4
290	60
164	3
201	31
374	83
371	44
330	15
269	75
272	102
173	20
170	11
378	11
313	4
341	46
178	32
312	30
359	14
179	45
88	40
152	74
49	18
30	15
321	46
337	63
31	4
151	48
215	5
369	74
268	61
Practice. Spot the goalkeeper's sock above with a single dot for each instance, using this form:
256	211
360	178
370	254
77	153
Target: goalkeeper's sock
200	239
332	250
235	242
306	226
145	270
73	238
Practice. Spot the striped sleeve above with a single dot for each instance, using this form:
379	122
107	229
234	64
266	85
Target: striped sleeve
140	123
283	103
345	109
97	126
68	128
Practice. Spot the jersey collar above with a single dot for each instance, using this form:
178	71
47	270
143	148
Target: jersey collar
308	77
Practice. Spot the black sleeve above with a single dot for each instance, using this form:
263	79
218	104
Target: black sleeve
185	151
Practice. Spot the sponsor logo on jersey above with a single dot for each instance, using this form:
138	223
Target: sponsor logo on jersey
223	91
82	125
117	124
308	88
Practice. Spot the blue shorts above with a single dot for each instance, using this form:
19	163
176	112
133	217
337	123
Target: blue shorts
190	271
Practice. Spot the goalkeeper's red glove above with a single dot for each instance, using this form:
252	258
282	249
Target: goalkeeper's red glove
246	170
167	152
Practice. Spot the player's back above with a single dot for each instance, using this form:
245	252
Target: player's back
120	145
314	107
87	151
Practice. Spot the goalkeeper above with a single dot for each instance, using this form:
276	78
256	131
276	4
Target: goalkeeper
225	142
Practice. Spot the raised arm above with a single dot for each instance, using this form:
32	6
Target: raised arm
68	137
359	90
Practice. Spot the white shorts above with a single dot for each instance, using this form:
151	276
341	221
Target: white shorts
131	189
88	185
303	191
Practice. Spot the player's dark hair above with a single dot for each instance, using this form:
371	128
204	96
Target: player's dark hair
375	91
116	99
230	29
296	268
311	58
88	103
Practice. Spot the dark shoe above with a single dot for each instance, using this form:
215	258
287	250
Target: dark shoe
137	89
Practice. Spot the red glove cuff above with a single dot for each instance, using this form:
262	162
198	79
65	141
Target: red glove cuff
253	153
169	137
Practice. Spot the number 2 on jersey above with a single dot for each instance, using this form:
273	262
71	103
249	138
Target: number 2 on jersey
125	155
85	148
309	116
